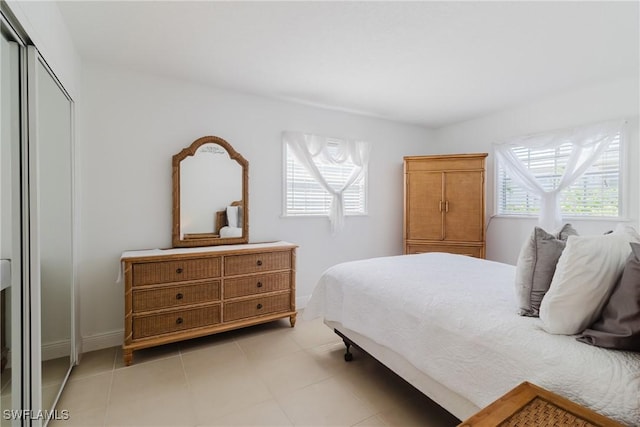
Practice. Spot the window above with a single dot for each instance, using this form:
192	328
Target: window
305	196
596	193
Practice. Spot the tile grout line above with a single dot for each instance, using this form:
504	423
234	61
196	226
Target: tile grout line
106	410
192	408
274	397
113	372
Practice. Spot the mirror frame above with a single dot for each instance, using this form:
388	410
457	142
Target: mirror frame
207	239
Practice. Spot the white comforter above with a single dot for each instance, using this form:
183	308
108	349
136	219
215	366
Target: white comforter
454	318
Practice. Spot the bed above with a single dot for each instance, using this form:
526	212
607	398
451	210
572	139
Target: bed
228	222
448	325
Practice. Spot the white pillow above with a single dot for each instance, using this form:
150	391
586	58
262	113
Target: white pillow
227	231
585	275
232	216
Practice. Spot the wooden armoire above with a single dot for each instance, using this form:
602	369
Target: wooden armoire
444	204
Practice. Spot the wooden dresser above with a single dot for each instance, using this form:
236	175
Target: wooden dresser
444	204
177	294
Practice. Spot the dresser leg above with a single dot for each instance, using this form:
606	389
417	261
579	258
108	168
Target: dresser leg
292	320
127	356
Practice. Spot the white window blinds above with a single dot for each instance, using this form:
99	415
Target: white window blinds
578	171
324	176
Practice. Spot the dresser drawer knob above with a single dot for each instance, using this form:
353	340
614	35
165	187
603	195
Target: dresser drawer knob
179	321
259	306
259	284
259	262
179	270
179	296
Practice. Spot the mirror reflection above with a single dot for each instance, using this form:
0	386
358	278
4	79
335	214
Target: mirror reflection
210	194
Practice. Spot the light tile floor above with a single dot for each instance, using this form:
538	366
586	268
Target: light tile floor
267	375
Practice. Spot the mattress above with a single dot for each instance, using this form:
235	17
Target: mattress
455	319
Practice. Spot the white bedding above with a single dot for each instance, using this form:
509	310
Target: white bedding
228	231
454	318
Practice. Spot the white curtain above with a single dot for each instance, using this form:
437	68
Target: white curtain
311	150
587	144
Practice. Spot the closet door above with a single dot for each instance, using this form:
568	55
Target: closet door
51	233
11	214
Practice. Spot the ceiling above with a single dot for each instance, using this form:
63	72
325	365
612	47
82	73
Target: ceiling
427	63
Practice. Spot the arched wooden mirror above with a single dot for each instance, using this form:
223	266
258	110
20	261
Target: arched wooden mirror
210	194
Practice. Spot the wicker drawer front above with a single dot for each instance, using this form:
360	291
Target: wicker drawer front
254	263
174	296
175	271
444	164
257	307
257	284
474	251
157	324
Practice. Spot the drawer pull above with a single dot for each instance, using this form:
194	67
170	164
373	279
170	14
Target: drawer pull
179	296
259	306
259	284
259	262
179	270
178	320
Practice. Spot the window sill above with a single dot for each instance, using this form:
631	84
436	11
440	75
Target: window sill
567	218
321	216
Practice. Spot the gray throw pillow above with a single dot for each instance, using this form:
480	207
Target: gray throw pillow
536	266
619	325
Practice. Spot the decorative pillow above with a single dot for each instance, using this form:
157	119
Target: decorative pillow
232	216
536	265
585	276
619	325
240	217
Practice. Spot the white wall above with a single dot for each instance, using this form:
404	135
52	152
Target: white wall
134	123
589	105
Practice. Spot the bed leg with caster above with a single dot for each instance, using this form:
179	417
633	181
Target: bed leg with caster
348	356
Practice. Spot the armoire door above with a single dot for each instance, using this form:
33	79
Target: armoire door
424	210
463	195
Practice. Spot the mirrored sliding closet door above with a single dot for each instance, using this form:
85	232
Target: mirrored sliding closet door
36	232
12	302
51	232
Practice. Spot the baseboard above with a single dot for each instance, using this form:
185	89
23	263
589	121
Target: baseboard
301	302
55	350
104	340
